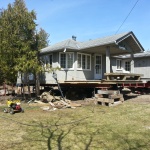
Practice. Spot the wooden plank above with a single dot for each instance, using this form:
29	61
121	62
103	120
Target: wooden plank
98	95
122	81
113	92
115	103
115	96
127	74
106	100
111	104
121	99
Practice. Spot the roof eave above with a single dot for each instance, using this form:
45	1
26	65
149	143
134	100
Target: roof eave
134	38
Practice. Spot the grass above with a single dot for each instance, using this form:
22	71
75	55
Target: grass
94	127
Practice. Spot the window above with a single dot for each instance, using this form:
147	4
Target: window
119	64
84	61
50	60
63	60
66	60
127	66
47	61
79	61
98	64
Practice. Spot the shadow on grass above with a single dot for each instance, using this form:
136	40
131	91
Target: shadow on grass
81	136
60	136
59	132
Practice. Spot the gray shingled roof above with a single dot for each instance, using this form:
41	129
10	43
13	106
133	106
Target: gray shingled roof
75	45
70	44
137	55
102	41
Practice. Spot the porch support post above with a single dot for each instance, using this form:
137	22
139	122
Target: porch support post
132	63
108	59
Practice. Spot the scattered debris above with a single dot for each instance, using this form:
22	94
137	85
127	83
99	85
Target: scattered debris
50	102
49	96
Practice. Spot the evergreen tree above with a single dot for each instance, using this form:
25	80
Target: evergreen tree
19	42
43	39
18	30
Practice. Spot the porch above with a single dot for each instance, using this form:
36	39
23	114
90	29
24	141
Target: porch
112	79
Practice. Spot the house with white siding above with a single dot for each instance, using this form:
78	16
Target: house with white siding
91	59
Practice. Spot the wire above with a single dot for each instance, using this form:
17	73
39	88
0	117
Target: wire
127	16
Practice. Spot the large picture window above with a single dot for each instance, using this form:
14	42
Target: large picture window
66	60
84	61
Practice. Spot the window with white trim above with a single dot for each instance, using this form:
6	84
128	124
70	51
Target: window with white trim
128	66
84	61
119	63
66	60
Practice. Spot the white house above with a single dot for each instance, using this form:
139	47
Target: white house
81	61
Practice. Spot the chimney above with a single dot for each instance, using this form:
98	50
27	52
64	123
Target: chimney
74	38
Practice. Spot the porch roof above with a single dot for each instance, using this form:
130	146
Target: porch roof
137	55
99	45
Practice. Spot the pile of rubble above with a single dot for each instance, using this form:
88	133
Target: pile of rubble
48	101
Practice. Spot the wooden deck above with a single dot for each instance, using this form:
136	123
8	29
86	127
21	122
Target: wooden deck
111	79
125	80
103	81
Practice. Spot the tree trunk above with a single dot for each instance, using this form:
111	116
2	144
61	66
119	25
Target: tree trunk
37	84
22	88
4	87
29	91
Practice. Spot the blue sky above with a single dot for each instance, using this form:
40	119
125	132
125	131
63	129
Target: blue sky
90	19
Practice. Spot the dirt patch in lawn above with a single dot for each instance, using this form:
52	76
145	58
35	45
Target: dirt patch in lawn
140	99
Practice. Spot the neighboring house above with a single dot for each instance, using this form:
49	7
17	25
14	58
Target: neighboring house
90	60
141	64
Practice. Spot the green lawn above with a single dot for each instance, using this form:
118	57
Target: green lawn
94	127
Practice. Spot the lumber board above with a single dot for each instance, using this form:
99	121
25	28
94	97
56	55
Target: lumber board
113	92
98	95
115	103
115	96
106	100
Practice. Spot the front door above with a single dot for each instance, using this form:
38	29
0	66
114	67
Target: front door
98	67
